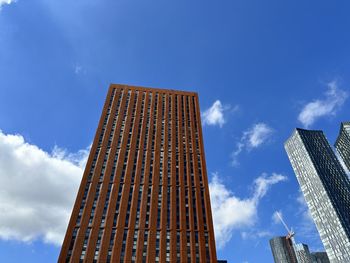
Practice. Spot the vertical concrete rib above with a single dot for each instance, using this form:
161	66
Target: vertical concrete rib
124	152
134	157
165	183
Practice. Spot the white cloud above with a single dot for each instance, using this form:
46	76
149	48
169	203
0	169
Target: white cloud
258	135
231	212
37	190
6	2
253	234
79	158
215	114
252	138
239	148
334	99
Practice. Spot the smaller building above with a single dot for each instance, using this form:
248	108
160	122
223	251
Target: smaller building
302	253
286	250
282	250
222	261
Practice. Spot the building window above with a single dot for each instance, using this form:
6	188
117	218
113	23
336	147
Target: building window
98	244
145	243
122	253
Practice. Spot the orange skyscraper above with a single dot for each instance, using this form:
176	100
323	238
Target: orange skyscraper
144	194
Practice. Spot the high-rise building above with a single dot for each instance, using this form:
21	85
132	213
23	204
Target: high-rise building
326	189
302	253
144	194
282	250
319	257
286	250
343	143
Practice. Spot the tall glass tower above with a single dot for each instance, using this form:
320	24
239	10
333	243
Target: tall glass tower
144	194
343	143
326	189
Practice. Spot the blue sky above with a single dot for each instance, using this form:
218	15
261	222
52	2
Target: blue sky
261	68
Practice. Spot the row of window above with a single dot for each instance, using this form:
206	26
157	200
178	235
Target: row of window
136	235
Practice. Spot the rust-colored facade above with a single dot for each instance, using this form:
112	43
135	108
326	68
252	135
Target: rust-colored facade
144	194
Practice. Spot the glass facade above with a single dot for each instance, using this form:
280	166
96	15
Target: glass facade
282	250
343	143
319	257
326	189
302	253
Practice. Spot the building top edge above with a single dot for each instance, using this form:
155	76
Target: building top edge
298	131
160	90
306	130
278	237
343	126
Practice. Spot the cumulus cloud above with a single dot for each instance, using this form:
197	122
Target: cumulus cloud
251	139
231	212
6	2
258	135
333	99
215	114
37	189
78	158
